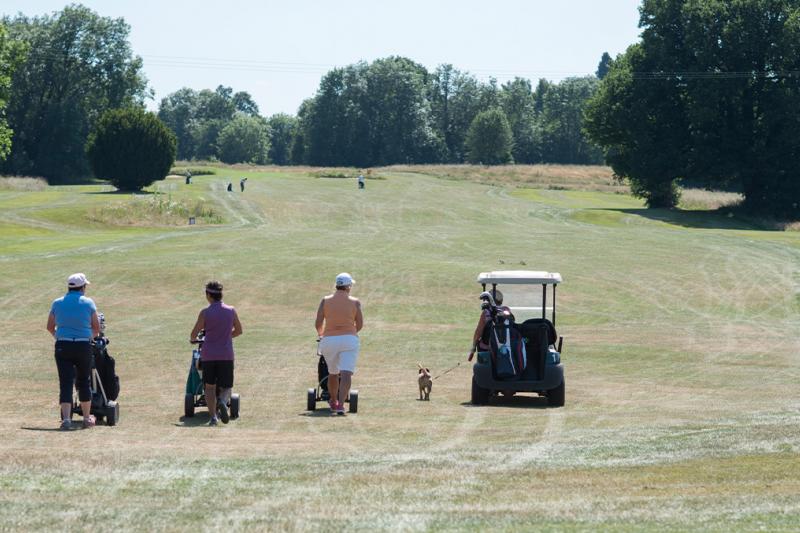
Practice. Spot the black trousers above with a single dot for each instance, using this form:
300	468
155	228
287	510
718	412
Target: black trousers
74	362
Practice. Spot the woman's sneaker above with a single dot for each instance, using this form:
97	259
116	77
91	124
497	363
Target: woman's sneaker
340	409
212	422
89	422
222	412
66	424
334	407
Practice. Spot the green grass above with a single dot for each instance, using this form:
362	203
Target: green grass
681	351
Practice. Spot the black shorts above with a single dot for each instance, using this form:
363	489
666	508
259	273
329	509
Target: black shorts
218	373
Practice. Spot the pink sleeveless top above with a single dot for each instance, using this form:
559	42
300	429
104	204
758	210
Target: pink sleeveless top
218	344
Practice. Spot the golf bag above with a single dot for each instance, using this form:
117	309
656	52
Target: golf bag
106	367
507	346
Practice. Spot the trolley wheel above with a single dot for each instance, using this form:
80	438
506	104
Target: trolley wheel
311	403
353	401
112	414
234	406
188	405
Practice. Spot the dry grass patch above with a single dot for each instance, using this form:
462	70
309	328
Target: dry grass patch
558	177
702	199
22	183
155	210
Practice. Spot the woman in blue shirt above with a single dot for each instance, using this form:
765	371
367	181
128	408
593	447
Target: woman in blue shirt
73	322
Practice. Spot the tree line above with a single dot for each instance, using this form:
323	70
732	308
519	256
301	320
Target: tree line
60	73
391	111
710	95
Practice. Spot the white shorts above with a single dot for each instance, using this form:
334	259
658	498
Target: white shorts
340	352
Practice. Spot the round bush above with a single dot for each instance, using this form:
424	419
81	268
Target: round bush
131	148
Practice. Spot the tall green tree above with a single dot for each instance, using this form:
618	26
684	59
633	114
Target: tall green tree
178	111
641	128
712	81
602	67
282	131
517	102
371	114
11	55
561	122
79	64
245	139
489	139
455	98
131	148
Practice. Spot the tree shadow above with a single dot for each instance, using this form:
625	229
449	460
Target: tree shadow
117	192
700	219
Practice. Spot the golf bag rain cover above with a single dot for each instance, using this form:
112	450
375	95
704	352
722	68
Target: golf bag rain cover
508	350
106	369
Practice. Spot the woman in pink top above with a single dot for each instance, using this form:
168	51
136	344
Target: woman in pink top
221	324
338	322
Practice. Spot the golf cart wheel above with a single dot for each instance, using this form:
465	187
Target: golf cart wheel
188	405
555	397
234	406
311	403
480	396
353	401
112	414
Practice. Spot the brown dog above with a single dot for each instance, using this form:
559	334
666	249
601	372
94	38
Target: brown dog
425	383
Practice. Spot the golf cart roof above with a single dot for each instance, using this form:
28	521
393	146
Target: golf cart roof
528	277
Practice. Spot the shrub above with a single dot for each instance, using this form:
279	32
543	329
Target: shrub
489	138
131	148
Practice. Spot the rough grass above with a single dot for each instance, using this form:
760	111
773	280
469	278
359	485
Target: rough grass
158	209
702	199
681	349
558	177
22	183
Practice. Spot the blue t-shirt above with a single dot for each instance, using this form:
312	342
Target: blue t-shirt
73	313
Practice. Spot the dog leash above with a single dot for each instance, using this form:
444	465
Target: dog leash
448	370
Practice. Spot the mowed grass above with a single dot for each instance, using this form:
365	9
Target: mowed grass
681	351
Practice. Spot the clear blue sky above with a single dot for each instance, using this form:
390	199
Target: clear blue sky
278	51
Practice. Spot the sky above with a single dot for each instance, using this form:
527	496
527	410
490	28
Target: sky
278	51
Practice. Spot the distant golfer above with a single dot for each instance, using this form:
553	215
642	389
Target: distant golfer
339	320
221	325
230	187
361	181
73	322
188	177
241	183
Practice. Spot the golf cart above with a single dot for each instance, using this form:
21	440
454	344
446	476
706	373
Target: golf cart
540	369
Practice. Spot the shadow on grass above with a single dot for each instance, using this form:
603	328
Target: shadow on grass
199	419
75	427
318	413
701	219
117	192
518	401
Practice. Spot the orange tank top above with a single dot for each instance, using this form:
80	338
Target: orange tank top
340	316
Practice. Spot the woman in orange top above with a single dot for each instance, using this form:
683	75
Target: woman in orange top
338	322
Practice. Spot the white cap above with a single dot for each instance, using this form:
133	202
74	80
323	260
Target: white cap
77	280
344	280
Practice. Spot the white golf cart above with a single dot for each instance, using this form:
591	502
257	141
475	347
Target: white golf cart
543	372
